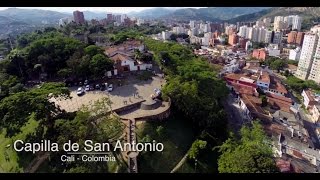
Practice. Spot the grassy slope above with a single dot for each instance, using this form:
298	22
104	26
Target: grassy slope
177	141
11	164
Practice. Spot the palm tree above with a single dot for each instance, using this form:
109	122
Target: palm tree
137	54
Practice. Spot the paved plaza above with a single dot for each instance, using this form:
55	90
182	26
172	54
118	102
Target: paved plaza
120	96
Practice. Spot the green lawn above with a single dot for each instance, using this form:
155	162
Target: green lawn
9	159
177	141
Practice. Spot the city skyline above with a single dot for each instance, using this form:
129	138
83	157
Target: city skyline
96	9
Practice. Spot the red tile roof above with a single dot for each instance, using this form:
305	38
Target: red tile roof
282	102
253	103
120	57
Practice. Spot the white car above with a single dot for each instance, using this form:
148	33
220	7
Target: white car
87	88
110	87
80	91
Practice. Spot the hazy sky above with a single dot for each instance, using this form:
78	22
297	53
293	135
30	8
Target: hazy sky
100	9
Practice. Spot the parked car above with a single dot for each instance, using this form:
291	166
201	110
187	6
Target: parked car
102	87
110	88
91	88
80	91
87	88
86	82
97	86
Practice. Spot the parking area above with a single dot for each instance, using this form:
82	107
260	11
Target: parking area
131	90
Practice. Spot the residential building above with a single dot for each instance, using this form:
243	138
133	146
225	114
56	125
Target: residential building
295	37
309	98
178	30
109	17
299	39
315	29
315	113
268	37
292	36
64	21
315	68
307	52
296	22
273	50
279	25
259	54
192	24
277	37
295	54
243	30
166	35
78	17
259	23
140	21
230	29
267	22
233	39
242	42
248	45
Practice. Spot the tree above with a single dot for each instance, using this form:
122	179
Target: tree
278	64
99	64
197	145
137	54
264	101
16	108
251	154
160	131
93	50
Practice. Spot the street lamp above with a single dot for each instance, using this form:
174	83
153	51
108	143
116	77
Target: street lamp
195	165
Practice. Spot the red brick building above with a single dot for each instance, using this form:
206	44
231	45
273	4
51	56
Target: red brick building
242	43
78	17
233	39
259	54
295	37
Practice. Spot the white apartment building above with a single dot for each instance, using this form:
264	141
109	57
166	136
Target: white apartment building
166	35
140	21
309	45
273	50
295	54
243	31
315	68
278	18
248	45
192	24
178	30
259	23
315	29
65	21
267	22
296	22
205	41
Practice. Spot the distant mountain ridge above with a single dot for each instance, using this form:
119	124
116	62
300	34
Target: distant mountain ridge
32	16
305	12
152	13
212	13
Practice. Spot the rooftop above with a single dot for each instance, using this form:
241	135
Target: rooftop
120	57
264	77
253	103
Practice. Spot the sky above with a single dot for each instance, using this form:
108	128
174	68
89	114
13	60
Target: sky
95	9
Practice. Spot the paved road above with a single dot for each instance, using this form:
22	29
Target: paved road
307	123
310	127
